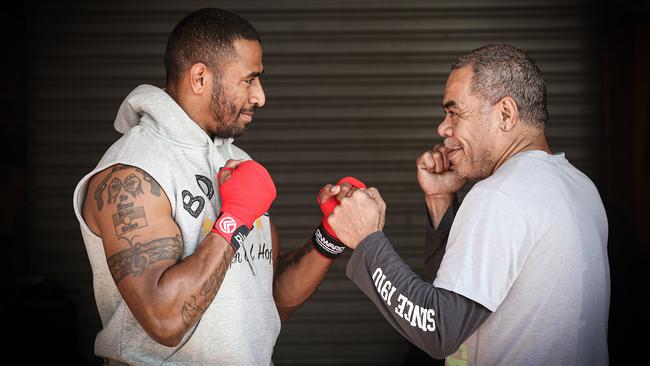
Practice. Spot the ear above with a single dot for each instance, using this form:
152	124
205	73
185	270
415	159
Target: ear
508	113
199	76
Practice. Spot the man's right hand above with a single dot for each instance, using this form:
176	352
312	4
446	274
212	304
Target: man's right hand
435	174
247	191
438	182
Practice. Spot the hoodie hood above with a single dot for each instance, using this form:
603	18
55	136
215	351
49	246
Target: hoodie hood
151	105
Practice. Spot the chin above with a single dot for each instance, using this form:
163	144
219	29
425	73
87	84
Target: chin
464	172
230	131
461	175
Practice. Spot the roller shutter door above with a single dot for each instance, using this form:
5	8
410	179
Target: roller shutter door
353	88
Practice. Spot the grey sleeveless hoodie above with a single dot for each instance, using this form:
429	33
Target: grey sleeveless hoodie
241	325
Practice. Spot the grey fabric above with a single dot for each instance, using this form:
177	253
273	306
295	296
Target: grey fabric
530	243
436	240
241	324
434	319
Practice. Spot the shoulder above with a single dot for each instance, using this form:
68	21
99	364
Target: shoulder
117	184
489	203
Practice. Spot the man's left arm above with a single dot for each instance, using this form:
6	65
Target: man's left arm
297	275
434	319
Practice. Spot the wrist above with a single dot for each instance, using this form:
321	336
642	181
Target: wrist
437	205
233	229
327	244
361	237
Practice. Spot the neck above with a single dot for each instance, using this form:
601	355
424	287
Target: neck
534	139
188	106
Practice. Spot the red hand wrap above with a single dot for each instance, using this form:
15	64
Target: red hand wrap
245	196
324	240
328	206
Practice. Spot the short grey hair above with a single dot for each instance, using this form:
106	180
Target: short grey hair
502	70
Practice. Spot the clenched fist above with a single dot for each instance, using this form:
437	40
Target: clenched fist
358	215
435	173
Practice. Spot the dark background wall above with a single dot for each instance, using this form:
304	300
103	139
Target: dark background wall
353	87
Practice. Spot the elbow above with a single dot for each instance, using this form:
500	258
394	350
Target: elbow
439	354
284	304
442	351
285	312
167	334
168	340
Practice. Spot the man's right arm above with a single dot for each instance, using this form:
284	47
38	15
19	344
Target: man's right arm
127	208
436	237
439	184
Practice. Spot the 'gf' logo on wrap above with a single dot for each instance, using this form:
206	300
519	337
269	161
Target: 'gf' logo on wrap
227	225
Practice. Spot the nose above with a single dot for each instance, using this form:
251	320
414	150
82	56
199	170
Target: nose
257	94
445	127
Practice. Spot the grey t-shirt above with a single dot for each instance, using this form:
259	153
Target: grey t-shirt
530	244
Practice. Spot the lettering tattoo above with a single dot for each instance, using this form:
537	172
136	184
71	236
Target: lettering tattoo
128	218
135	259
292	259
195	306
132	185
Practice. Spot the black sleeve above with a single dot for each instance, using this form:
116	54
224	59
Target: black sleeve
436	239
434	319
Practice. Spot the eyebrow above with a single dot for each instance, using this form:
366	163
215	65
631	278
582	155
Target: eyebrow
255	74
449	104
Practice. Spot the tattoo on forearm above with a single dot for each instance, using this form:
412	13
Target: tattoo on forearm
139	256
132	185
191	310
195	306
291	259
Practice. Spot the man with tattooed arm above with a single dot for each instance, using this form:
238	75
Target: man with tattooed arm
186	262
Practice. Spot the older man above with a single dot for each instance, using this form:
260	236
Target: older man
524	279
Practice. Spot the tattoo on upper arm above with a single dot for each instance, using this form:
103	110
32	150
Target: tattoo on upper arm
132	184
114	189
154	186
291	259
135	259
128	218
195	306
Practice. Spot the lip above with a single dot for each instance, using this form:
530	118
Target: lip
452	153
247	117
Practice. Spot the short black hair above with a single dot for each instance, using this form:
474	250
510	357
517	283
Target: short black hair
502	70
206	35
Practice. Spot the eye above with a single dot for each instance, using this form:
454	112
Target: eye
248	81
